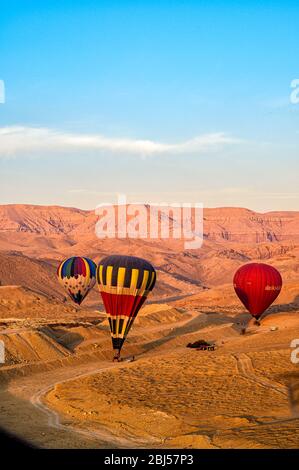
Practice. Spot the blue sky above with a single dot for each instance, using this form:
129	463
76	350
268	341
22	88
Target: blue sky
165	101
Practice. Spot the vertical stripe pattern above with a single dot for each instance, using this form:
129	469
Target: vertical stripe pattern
77	275
124	283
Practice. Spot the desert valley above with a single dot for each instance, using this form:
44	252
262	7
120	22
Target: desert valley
58	385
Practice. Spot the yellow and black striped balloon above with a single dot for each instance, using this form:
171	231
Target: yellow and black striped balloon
124	283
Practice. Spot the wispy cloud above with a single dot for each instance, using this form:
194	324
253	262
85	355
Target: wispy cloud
18	141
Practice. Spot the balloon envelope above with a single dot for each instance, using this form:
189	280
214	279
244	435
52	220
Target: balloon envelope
257	285
77	275
124	283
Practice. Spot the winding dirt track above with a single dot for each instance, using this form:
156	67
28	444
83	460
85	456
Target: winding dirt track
33	389
102	434
246	369
24	413
105	437
27	392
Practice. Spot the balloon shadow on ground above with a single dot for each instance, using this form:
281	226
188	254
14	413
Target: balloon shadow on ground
194	325
282	308
67	339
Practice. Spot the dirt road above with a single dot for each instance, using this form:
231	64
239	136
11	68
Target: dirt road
24	412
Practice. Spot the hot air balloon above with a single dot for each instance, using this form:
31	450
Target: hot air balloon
78	276
257	285
124	283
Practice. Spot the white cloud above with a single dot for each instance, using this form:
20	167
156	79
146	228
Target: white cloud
26	141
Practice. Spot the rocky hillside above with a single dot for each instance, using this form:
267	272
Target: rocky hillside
33	239
228	223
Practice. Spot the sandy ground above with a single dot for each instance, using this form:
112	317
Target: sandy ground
182	400
23	415
239	396
58	387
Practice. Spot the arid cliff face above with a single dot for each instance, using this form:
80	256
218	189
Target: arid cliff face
33	239
227	223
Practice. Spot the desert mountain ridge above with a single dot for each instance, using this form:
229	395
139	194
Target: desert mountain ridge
58	355
229	223
33	239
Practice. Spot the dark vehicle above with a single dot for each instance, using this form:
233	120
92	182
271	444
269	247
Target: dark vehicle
202	345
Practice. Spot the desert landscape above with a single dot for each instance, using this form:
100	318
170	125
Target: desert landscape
59	387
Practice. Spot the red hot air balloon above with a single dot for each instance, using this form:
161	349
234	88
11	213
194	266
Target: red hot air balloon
124	283
257	285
